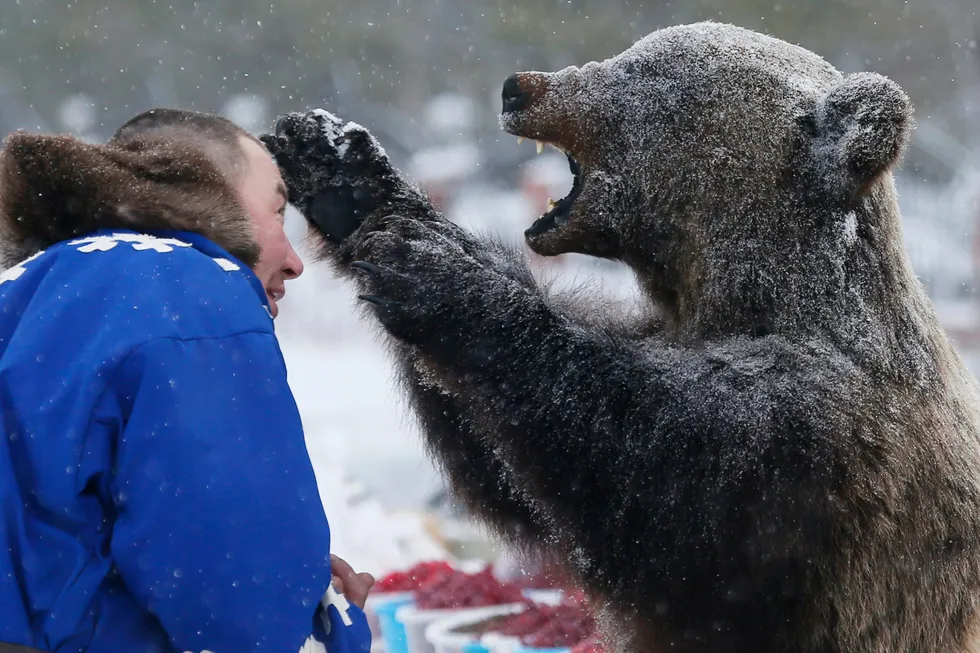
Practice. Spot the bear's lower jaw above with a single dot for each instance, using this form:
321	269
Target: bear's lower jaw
551	220
546	244
544	236
559	213
547	235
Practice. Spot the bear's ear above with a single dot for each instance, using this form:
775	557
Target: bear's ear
860	129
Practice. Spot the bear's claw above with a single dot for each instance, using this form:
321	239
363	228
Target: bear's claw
378	301
364	266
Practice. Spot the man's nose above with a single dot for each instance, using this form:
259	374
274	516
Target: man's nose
294	265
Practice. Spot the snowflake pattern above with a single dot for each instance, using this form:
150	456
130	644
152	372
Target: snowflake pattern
225	264
139	242
339	601
14	272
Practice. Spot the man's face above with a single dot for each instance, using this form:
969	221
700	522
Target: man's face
264	196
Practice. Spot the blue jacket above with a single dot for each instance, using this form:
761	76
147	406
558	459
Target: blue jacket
155	489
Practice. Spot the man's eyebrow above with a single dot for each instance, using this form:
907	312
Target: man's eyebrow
281	189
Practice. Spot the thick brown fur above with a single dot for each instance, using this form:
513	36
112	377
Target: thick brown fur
789	461
55	187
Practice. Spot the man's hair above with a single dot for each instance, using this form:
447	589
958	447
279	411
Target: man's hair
217	136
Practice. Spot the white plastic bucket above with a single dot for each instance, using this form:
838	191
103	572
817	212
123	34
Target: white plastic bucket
416	621
497	643
439	633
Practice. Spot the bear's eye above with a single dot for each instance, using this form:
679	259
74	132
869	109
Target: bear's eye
630	68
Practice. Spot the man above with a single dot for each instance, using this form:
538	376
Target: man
155	489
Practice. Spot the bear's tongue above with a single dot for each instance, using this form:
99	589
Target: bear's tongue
560	211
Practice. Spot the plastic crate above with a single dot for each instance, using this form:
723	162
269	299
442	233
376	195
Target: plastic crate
374	623
392	630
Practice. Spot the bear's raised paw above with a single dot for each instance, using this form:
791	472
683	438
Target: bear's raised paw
336	172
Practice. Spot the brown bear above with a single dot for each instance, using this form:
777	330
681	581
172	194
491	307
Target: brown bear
784	454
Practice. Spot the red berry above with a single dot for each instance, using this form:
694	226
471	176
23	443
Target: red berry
567	625
411	579
455	589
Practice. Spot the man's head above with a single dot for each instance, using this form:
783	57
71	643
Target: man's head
248	166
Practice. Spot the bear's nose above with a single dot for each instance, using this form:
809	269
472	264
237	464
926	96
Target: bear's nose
514	99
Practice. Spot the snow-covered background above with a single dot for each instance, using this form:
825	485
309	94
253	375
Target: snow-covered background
425	77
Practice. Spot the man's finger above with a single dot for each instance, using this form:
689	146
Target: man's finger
341	568
361	584
358	589
356	585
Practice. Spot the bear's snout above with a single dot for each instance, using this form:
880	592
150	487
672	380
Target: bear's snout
513	97
523	91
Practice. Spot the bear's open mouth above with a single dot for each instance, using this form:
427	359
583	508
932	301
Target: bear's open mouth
559	212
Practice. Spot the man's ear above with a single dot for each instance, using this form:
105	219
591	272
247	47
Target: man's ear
860	131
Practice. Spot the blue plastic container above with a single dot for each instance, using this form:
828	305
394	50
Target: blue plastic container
392	630
475	647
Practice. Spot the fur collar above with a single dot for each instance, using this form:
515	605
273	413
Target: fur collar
53	188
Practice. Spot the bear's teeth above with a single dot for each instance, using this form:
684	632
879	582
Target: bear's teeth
551	204
540	146
520	140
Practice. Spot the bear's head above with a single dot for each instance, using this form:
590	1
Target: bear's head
726	168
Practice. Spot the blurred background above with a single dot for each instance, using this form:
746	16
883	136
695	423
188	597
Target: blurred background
425	77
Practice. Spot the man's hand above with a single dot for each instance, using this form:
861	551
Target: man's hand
355	586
